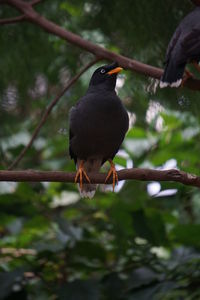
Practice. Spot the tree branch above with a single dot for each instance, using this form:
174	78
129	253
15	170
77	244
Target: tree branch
196	2
12	20
35	2
126	174
125	62
47	112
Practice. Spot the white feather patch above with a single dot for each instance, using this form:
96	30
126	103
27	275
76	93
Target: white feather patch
86	194
173	84
177	83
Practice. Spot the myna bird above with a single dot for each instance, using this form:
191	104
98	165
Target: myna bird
98	124
184	47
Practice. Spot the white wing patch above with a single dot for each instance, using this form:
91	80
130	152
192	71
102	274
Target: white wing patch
173	84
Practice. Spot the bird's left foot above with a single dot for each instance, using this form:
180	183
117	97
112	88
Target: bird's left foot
112	172
80	173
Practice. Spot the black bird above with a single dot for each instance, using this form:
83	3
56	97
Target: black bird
98	124
184	47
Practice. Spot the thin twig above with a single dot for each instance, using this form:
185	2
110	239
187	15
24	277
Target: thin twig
47	112
172	175
12	20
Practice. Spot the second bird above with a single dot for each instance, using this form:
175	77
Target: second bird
98	124
184	47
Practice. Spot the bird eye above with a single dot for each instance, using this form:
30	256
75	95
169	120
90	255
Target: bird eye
102	71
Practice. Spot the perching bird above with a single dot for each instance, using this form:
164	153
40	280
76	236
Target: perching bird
184	47
98	124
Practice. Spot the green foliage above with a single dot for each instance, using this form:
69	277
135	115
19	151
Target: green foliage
132	244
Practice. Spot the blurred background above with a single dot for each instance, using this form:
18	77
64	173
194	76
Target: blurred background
141	242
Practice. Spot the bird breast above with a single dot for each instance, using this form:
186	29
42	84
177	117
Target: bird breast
99	125
105	116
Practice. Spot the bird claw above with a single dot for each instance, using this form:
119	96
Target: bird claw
79	174
112	172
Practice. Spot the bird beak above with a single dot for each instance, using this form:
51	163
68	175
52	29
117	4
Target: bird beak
115	70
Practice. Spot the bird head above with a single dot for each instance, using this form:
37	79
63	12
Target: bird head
105	76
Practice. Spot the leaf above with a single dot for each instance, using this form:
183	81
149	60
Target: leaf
89	250
7	280
112	286
140	277
138	147
156	223
80	290
136	132
121	215
187	234
15	226
157	291
171	121
149	225
68	230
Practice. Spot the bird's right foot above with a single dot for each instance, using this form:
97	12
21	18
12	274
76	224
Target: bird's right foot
80	173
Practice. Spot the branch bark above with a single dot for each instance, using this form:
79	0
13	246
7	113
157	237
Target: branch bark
196	2
12	20
35	2
125	62
48	111
173	175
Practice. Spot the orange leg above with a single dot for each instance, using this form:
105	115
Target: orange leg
112	172
80	172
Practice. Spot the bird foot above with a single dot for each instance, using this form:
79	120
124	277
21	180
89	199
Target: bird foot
112	172
188	75
80	173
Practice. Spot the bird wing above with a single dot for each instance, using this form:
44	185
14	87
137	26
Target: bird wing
184	44
97	126
71	133
191	44
172	43
73	114
71	153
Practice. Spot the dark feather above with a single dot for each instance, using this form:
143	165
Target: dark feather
184	47
98	123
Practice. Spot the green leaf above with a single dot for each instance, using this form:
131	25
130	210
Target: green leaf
7	281
80	290
187	234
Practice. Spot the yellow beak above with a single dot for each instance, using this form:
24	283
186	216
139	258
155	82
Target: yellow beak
116	70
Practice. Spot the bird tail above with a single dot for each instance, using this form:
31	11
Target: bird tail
172	75
91	165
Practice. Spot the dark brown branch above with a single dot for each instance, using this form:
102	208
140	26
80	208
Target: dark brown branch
126	174
125	62
12	20
35	2
196	2
47	112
